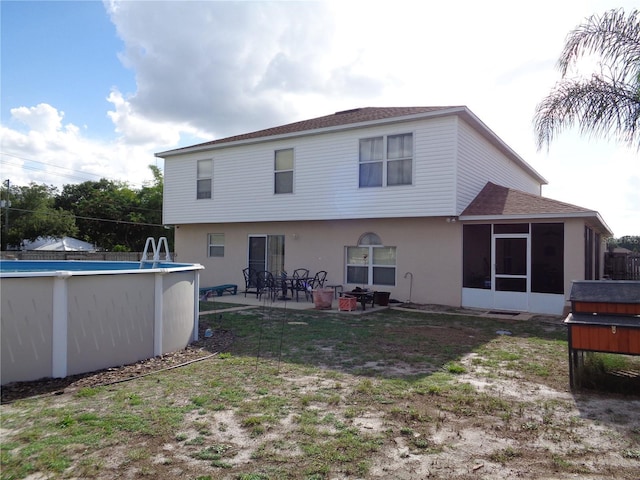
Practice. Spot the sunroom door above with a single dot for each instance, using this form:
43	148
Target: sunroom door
511	284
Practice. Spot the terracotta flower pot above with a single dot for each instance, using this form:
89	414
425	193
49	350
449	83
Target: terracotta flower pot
322	298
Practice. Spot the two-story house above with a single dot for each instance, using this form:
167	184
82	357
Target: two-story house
424	202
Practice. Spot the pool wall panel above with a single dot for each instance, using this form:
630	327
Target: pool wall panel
177	310
26	308
110	321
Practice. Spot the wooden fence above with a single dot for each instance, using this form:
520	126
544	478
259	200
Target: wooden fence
622	265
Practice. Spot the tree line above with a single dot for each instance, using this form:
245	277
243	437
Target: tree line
109	214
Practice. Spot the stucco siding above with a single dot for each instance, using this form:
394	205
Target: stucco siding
574	253
325	179
480	162
427	248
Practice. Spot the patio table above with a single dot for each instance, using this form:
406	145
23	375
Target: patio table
287	284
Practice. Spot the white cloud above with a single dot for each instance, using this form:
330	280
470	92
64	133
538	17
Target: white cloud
41	118
220	66
52	152
136	129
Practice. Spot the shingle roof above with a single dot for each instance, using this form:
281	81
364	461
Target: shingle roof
346	117
498	200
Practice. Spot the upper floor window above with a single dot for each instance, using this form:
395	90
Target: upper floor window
386	160
216	244
205	178
283	167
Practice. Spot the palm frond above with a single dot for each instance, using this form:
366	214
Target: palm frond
598	106
614	37
608	103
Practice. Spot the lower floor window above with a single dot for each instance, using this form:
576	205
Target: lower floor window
216	244
371	265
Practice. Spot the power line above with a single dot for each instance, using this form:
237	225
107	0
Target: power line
132	207
45	163
72	176
28	167
142	224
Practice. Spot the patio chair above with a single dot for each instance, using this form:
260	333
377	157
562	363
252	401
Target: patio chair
266	285
282	284
301	283
318	280
250	281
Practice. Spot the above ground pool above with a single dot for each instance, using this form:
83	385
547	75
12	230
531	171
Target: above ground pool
61	318
87	267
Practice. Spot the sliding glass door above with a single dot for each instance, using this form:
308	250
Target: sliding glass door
266	252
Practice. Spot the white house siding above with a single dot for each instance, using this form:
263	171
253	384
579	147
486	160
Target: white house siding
480	162
427	248
325	179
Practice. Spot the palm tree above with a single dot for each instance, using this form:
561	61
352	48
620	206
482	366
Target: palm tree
606	104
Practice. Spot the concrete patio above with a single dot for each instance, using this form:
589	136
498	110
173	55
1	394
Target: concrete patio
239	301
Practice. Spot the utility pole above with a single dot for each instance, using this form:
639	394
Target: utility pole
6	206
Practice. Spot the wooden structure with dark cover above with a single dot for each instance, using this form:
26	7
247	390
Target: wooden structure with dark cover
605	317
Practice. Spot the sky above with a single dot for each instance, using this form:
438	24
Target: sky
93	89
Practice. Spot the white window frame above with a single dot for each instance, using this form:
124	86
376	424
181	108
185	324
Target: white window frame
204	174
367	262
215	241
380	156
279	171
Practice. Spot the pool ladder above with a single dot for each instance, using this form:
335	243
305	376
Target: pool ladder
156	249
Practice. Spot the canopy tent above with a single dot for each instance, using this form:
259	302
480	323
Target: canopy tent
64	244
